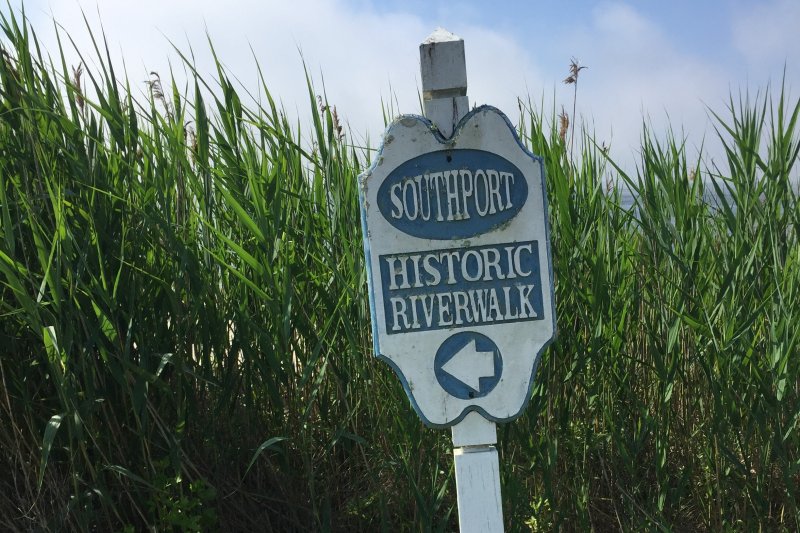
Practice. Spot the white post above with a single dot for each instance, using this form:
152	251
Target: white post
444	93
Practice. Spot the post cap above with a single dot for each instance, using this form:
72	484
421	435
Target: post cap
443	65
441	35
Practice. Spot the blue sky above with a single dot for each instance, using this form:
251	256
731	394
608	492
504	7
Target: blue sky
661	61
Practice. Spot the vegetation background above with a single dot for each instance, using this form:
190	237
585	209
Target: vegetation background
184	339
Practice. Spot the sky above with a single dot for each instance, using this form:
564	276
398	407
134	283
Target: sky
661	62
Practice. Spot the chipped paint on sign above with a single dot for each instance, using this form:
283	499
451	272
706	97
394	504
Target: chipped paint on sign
458	264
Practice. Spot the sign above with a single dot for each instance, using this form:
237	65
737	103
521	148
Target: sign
457	246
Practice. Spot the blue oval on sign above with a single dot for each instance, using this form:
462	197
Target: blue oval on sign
452	194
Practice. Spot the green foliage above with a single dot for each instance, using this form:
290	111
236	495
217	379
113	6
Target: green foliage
184	339
174	507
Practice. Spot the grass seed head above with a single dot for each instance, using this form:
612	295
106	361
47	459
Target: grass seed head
336	124
574	70
157	90
76	85
563	120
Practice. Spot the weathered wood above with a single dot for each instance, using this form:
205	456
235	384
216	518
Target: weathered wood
480	508
474	430
477	469
458	266
476	463
459	270
444	79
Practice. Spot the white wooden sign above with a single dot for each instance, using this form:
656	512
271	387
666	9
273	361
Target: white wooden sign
459	267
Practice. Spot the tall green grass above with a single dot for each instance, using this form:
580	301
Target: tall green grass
184	336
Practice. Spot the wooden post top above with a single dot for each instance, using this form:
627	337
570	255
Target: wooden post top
443	65
444	79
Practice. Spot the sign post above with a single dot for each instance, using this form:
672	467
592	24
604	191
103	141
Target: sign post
477	468
456	239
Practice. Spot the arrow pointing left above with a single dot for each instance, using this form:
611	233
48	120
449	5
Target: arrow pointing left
468	365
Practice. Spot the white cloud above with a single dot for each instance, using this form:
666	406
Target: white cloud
499	70
636	73
636	68
361	54
765	34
